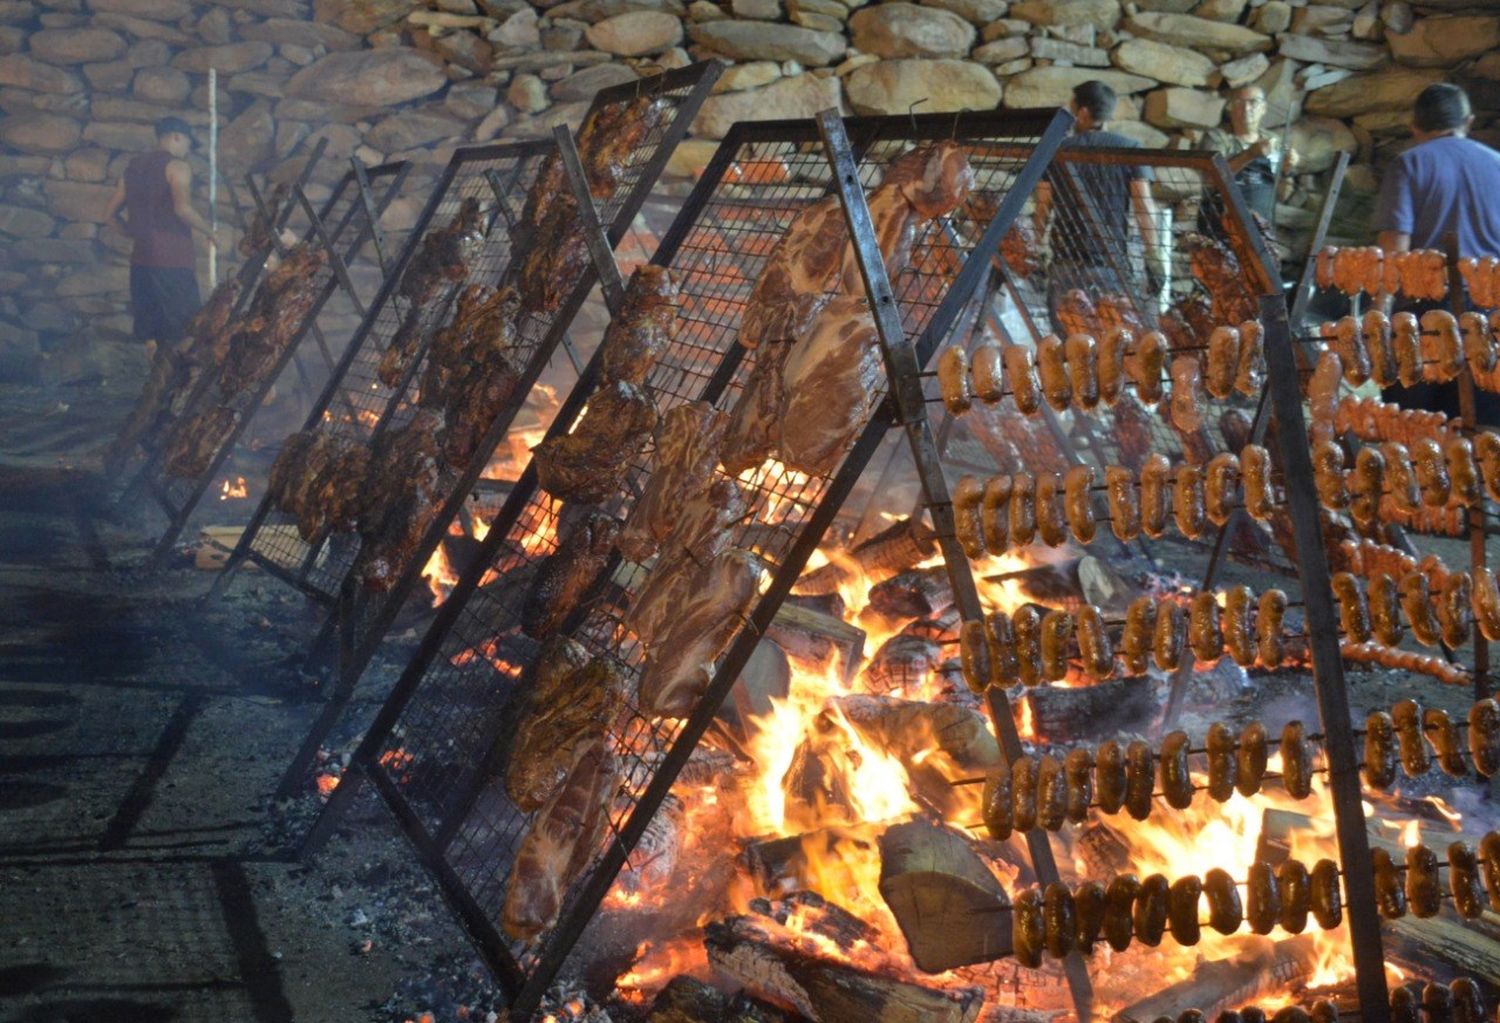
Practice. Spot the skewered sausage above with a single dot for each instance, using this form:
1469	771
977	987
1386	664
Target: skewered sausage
1090	903
1354	612
1078	768
1139	780
1489	856
1151	907
1416	603
1326	257
1135	641
1188	501
1250	373
1255	472
974	655
1296	761
1078	484
1456	610
1022	509
1026	627
1406	342
1176	779
1405	1006
1484	736
1170	635
1349	342
1204	632
1463	880
1385	609
1291	1014
1238	625
1020	370
1005	669
1023	790
1424	893
1144	361
1323	386
1380	750
1437	1003
1110	776
997	807
1051	794
1225	910
1051	527
953	380
966	518
1182	910
1155	504
1296	895
1401	478
1269	614
1124	506
1223	360
1326	896
1094	647
1052	373
1119	910
1479	346
1253	755
1432	472
1463	474
1323	1011
1486	598
1407	715
1487	453
1059	920
1112	363
1028	932
1263	904
1468	1004
1057	630
1366	484
1447	347
1223	768
994	514
987	372
1187	382
1083	366
1376	327
1328	475
1219	486
1443	735
1390	897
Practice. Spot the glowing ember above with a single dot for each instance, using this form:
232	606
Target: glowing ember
232	490
326	784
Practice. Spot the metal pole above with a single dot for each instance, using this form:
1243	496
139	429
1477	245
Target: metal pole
1467	406
213	177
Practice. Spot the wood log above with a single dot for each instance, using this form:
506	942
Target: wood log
904	543
904	662
917	593
811	635
1079	711
782	864
824	990
948	904
766	675
1224	983
688	1000
1447	939
1103	851
909	728
1277	827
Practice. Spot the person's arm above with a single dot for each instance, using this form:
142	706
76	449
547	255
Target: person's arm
115	205
1146	219
180	180
1263	146
1395	215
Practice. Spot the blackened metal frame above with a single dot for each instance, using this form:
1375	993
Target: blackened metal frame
432	840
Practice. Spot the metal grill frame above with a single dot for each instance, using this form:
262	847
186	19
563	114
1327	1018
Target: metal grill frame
433	839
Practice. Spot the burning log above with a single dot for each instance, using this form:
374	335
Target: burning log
905	662
1103	851
783	864
811	635
946	901
904	543
1443	939
1225	983
1076	711
908	728
765	675
686	1000
916	593
785	968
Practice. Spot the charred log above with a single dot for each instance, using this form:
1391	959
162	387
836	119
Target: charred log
1226	983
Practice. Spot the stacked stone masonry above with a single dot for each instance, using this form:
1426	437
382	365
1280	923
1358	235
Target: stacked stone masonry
81	82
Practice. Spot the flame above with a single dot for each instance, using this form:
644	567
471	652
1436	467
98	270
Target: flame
236	489
326	784
396	761
1448	813
1411	834
439	575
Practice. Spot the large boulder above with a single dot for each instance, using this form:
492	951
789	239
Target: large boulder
980	12
410	129
132	138
249	138
800	96
71	200
1390	90
39	133
764	40
636	33
1318	142
22	72
1177	107
229	59
906	30
1100	14
163	85
1176	65
1198	33
1445	41
1053	86
368	77
76	45
289	31
1337	52
892	86
25	222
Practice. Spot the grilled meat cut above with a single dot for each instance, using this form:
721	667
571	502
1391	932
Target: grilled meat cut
318	478
704	521
549	183
680	659
401	499
472	371
444	256
750	436
194	441
590	463
798	277
484	320
564	577
569	700
1215	266
557	259
277	314
609	137
831	382
560	841
643	328
258	236
405	344
687	449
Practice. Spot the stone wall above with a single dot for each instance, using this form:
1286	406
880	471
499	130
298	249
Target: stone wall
81	82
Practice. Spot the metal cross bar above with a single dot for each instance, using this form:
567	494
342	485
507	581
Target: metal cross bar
610	282
335	259
377	236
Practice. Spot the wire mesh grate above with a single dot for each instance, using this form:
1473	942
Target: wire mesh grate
445	754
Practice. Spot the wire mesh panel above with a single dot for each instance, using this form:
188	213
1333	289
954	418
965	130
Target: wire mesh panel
444	749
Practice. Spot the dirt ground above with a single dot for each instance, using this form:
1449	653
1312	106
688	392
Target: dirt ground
145	872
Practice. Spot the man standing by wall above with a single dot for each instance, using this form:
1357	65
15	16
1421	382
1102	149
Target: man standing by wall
1445	184
1254	157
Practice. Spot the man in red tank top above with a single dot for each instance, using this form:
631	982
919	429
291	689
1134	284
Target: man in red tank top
155	195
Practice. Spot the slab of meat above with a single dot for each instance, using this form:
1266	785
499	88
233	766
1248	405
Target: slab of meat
705	520
549	182
832	380
318	478
680	659
560	842
590	464
405	345
566	576
476	378
798	277
570	701
277	315
483	319
193	443
258	235
751	434
645	325
556	261
445	255
1215	266
687	449
609	138
402	493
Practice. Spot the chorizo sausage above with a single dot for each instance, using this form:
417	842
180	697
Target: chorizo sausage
1376	327
1083	366
1323	386
1187	383
1463	881
1124	506
1380	751
1028	933
1401	478
1479	346
1238	624
1468	1004
1051	794
1051	525
1366	484
1110	776
1269	615
1487	454
1022	509
1223	768
987	373
1349	342
974	655
1151	907
1416	603
1225	910
1119	910
1090	904
1463	474
1489	857
953	380
1324	273
1323	1011
1188	501
1112	363
1078	486
1059	920
1005	669
1447	348
1296	895
1176	779
1144	361
1155	503
1094	647
1407	716
1486	598
967	527
1182	910
1296	761
1390	897
1263	902
1140	779
1456	610
1484	736
1170	635
1253	754
1020	370
1424	893
997	805
1437	1003
1204	632
1219	489
1135	642
1432	472
1385	609
1026	626
1354	611
1405	1006
1250	373
1052	372
994	514
1444	738
1255	472
1057	630
1223	360
1023	792
1326	896
1406	343
1078	768
1328	475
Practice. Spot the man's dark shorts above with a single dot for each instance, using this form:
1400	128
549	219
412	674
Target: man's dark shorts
164	300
